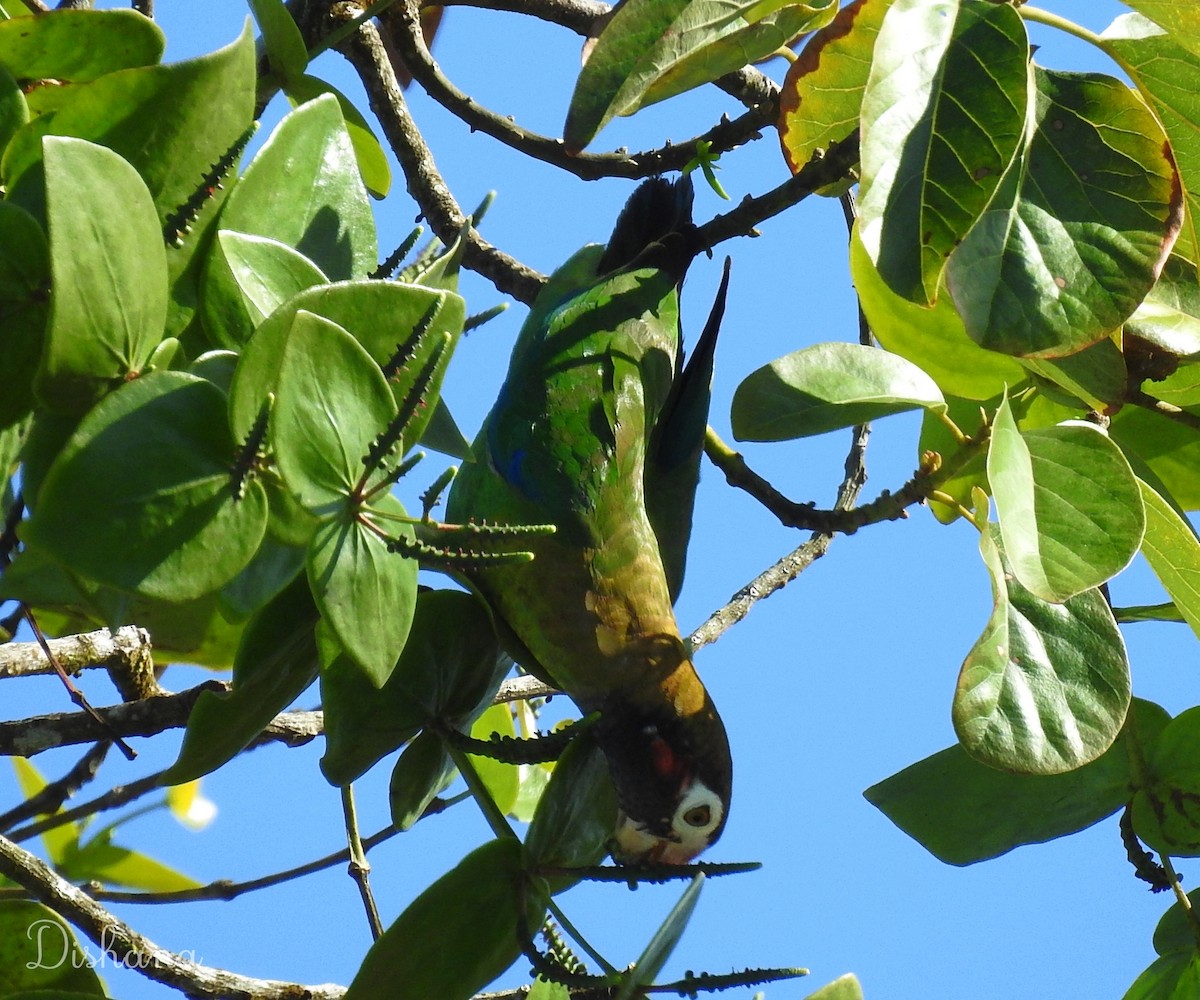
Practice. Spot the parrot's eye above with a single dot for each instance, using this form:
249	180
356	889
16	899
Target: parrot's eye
698	816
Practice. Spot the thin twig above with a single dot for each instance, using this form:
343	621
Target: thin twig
359	868
1165	409
75	694
51	798
114	798
122	944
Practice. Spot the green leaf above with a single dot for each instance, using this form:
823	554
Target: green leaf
449	670
59	840
1166	807
656	953
1169	449
172	123
821	96
423	770
276	661
286	51
1176	930
1068	504
576	815
331	402
934	339
1076	235
827	387
109	270
498	777
653	49
372	160
167	527
1173	551
380	315
963	812
248	278
1046	687
24	307
1096	376
1182	20
1166	70
356	582
843	988
459	934
14	109
943	117
303	189
79	45
102	861
1172	977
39	951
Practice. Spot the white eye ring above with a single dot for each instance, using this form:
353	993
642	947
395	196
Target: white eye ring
697	816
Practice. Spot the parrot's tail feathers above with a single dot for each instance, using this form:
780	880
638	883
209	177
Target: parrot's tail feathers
658	208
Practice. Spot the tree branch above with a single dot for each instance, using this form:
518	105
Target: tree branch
26	737
425	183
51	798
402	35
126	654
124	945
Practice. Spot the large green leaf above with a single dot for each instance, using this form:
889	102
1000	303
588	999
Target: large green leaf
845	987
1166	69
1182	20
140	497
331	403
932	338
659	949
448	670
423	770
75	46
366	593
459	934
577	813
276	660
653	49
372	160
1097	376
963	812
172	123
303	189
1076	234
821	97
1171	450
39	951
1173	551
249	277
1045	689
380	315
1169	321
943	116
1068	504
286	52
24	277
1175	976
109	273
500	778
1166	808
827	387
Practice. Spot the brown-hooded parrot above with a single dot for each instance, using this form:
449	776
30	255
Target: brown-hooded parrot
598	430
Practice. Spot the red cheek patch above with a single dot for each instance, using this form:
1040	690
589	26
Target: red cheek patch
664	760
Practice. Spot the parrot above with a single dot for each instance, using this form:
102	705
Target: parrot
598	430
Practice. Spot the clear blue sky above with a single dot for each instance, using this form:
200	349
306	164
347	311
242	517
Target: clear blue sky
829	686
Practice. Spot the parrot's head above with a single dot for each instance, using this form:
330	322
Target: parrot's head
673	776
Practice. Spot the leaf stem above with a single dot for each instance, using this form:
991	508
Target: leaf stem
483	798
359	867
584	945
1051	20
